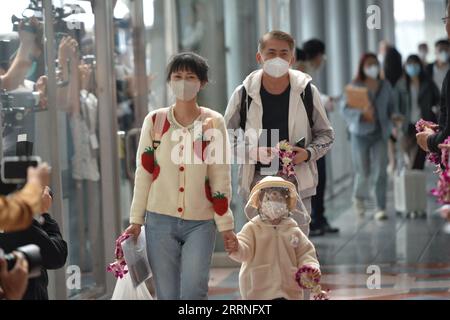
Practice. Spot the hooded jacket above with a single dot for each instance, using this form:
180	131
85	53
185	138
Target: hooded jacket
271	256
319	139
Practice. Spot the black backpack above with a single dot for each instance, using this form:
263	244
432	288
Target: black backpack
307	98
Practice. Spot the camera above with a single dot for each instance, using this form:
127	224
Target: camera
31	253
14	169
15	106
89	59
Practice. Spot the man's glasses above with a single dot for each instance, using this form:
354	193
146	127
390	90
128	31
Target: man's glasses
444	20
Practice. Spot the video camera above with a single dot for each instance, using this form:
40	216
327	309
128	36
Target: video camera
16	105
59	14
34	9
31	253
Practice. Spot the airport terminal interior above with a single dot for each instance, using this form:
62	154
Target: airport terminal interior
123	47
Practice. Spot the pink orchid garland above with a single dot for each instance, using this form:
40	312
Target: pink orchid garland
442	191
118	267
287	155
307	279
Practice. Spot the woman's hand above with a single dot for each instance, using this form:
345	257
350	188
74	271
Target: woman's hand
422	139
230	241
134	230
368	115
444	146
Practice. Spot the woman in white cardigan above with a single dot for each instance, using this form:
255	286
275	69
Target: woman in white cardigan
180	195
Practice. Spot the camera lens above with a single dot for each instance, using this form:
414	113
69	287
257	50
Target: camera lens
32	253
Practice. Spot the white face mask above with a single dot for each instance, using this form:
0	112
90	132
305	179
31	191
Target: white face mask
274	210
442	57
372	72
185	90
276	67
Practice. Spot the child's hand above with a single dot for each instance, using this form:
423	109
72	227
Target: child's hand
230	241
308	277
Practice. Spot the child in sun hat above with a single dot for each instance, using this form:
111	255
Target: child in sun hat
278	260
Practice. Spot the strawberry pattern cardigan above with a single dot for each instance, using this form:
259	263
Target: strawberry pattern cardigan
176	178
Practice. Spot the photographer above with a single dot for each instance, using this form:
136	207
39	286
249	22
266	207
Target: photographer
47	236
17	210
26	54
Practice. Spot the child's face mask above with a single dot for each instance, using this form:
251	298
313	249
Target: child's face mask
274	205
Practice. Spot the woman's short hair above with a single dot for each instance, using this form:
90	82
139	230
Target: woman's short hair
189	61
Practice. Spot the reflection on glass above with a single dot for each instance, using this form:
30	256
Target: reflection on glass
78	125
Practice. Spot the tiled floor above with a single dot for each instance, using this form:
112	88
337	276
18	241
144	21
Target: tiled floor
413	256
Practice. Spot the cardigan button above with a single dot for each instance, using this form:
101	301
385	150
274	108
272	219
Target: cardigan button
181	169
181	189
180	210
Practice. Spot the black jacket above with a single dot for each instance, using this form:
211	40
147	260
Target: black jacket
444	121
429	97
53	251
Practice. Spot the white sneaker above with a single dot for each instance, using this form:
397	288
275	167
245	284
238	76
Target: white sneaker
358	206
381	215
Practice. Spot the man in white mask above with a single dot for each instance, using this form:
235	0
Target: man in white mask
277	99
438	70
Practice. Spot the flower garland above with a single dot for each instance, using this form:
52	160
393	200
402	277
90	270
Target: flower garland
287	155
118	267
442	191
308	277
433	158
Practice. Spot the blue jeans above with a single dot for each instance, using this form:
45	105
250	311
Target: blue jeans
370	159
180	253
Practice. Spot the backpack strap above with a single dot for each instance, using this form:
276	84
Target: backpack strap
159	121
308	102
246	102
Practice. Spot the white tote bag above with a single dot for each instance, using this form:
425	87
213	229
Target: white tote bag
125	290
135	254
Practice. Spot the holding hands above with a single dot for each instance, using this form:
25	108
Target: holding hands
230	241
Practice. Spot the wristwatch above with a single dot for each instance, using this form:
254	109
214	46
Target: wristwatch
309	155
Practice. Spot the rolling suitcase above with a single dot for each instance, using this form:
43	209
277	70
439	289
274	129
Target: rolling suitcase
410	191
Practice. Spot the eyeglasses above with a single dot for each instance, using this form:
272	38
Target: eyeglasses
444	20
